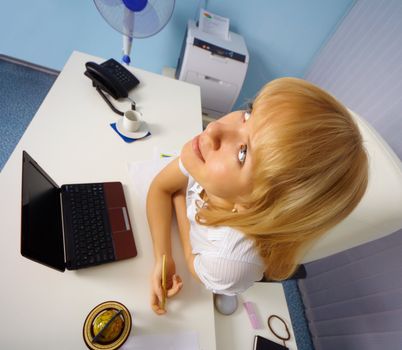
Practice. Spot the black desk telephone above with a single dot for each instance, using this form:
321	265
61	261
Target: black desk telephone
111	77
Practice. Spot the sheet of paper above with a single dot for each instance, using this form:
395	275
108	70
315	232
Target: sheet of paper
143	172
186	340
214	24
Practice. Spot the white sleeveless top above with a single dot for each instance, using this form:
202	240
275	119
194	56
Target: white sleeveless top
225	260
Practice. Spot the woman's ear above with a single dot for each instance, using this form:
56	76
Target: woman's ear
238	207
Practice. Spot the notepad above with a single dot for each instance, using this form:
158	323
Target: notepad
185	340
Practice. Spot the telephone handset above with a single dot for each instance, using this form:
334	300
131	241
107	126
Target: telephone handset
111	77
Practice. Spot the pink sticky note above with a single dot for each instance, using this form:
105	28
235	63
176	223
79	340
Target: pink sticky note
249	306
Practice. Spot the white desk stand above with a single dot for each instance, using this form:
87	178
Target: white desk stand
70	137
235	332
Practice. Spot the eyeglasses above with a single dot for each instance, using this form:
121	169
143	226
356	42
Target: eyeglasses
271	328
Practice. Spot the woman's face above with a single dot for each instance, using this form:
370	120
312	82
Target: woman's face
219	158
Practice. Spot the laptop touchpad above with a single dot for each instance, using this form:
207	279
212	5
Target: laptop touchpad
118	218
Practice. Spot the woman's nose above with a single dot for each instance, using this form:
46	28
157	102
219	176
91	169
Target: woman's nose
214	132
218	132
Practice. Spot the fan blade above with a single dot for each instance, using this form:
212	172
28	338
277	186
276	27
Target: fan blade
141	23
145	21
112	2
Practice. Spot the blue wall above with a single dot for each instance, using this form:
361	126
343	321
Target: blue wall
282	35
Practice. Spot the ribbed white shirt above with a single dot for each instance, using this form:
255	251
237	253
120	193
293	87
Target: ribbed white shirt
225	260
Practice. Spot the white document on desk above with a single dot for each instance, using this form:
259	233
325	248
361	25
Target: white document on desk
142	173
186	340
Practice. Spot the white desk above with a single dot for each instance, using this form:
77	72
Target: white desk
71	139
235	332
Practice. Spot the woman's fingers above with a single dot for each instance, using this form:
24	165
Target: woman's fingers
177	285
156	305
174	285
158	290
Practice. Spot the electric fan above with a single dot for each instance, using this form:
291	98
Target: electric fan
135	18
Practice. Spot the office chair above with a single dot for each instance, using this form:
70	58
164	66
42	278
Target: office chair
380	211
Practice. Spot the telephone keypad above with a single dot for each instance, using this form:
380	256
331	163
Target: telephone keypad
125	77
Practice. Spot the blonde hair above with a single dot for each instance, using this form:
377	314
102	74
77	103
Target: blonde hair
310	170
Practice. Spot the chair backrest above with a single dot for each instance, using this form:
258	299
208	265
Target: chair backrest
380	211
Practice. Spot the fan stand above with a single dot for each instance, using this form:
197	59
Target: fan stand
127	45
135	19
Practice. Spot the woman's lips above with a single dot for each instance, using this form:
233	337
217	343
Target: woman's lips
196	147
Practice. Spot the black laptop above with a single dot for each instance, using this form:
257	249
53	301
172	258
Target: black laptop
73	226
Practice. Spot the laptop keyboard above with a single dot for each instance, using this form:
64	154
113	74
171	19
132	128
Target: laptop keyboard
91	238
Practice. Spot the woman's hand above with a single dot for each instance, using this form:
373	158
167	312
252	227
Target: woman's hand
159	215
173	284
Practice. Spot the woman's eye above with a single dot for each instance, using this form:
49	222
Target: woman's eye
246	116
242	154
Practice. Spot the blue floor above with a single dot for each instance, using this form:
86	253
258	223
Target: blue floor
22	90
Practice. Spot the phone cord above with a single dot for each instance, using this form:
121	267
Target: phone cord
114	109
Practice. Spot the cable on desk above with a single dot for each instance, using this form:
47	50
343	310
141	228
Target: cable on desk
114	109
284	339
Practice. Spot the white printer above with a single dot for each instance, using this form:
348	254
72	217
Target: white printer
217	65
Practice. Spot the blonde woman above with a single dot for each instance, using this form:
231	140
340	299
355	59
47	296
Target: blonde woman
256	188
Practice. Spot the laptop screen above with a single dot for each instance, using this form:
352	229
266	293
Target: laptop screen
41	223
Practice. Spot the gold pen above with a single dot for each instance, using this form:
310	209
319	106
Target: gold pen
164	292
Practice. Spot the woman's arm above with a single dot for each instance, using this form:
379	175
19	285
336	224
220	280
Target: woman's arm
179	202
159	214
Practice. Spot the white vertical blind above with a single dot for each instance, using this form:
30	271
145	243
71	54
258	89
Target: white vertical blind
353	299
361	65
